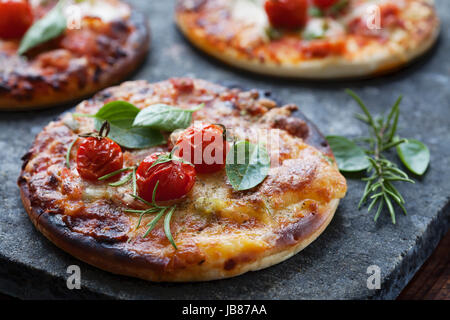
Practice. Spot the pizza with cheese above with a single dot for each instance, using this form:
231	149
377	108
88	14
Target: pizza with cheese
311	38
181	180
53	52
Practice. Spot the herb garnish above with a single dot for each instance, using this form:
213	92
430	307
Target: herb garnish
168	157
382	173
338	6
154	207
315	12
134	128
48	27
130	177
120	115
69	150
273	33
414	155
164	117
247	165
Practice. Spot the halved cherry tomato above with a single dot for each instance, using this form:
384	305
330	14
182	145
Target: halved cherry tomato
203	145
324	4
288	14
175	178
98	156
15	18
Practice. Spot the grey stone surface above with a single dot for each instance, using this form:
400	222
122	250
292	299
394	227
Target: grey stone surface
334	266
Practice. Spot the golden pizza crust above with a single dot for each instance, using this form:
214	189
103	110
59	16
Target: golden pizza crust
374	59
219	232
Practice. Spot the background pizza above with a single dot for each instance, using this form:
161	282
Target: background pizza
311	39
54	52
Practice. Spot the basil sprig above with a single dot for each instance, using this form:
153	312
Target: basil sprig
48	27
247	165
164	117
134	128
349	156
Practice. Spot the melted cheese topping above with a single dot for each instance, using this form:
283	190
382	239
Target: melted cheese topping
107	10
250	12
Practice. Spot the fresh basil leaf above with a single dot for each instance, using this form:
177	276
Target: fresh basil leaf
164	117
247	165
349	156
315	12
414	155
48	27
133	138
118	111
338	6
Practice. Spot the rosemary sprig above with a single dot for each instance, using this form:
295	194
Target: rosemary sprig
161	210
382	173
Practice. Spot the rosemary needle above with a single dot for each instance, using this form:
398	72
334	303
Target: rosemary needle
69	150
153	223
167	226
379	189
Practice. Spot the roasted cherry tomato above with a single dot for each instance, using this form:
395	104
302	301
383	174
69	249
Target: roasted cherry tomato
97	156
287	14
324	4
203	145
176	178
15	18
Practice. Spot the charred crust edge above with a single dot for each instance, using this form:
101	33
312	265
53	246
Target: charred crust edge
84	247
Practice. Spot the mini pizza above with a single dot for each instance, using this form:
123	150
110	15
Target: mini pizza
181	180
311	38
54	52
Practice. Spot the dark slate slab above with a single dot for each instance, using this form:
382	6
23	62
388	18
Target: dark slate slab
332	267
